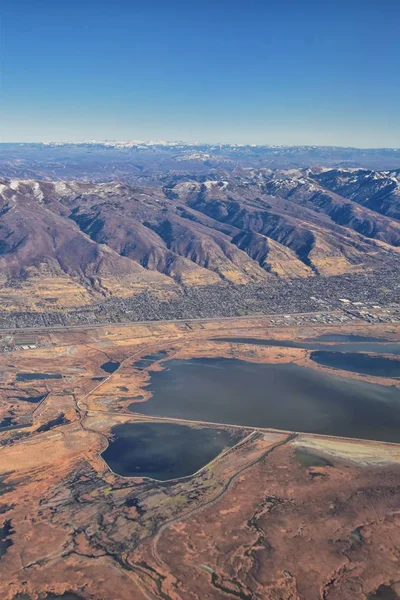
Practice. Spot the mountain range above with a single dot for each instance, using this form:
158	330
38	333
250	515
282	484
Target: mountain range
135	162
67	243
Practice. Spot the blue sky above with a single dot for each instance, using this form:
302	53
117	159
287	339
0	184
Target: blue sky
281	72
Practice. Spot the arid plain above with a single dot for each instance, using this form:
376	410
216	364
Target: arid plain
307	514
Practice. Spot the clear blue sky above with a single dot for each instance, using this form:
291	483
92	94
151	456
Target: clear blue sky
278	72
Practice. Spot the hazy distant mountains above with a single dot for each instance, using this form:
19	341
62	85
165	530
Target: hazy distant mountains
66	243
131	161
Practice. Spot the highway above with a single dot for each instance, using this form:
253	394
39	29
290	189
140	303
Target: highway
84	326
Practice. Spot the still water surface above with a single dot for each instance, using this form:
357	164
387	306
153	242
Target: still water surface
384	592
164	450
282	396
378	366
35	376
110	366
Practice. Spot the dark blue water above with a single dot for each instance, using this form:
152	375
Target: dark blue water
164	450
281	396
378	366
32	399
384	592
110	366
34	376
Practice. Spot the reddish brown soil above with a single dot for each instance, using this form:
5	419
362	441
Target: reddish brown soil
255	524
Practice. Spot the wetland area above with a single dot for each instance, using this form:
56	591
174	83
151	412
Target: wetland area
341	343
192	491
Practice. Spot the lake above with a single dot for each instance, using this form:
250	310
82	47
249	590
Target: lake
378	366
164	450
35	376
282	396
32	399
110	366
384	592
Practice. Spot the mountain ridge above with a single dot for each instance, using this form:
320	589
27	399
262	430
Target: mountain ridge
72	243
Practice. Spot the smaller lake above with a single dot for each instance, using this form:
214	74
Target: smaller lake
32	399
378	366
110	366
164	450
351	346
384	592
35	376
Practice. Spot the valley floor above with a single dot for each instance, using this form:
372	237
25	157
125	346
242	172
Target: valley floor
281	515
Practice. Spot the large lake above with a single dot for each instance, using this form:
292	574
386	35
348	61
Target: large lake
281	396
164	450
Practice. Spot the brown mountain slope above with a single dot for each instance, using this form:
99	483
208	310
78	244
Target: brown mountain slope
304	191
315	239
45	259
64	244
377	190
163	234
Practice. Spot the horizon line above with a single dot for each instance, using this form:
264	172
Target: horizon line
172	143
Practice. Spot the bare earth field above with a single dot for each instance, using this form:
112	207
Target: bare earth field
281	515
